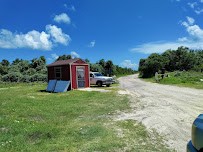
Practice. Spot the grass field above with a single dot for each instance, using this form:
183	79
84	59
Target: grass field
182	78
31	120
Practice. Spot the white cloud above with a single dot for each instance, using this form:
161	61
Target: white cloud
194	31
128	64
58	35
71	8
198	11
183	39
193	41
92	44
196	7
190	20
54	56
33	39
62	18
193	5
155	47
74	54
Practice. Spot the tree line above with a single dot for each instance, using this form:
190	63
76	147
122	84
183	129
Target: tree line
104	67
35	70
108	68
172	60
23	70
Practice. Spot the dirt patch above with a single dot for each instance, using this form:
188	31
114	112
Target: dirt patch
94	89
170	110
123	92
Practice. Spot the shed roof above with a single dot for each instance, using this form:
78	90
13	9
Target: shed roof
63	62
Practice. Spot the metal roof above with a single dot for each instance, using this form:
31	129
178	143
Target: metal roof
63	62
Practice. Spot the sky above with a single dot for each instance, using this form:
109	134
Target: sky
123	31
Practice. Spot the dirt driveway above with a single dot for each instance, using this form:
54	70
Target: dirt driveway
170	110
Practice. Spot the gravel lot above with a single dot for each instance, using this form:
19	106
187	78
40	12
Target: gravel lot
170	110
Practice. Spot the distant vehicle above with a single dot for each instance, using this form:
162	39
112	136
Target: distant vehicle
97	78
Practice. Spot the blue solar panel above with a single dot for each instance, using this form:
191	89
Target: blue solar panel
51	85
62	86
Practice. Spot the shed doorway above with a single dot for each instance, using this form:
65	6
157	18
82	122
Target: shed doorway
81	77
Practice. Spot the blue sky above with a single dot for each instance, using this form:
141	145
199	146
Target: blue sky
120	30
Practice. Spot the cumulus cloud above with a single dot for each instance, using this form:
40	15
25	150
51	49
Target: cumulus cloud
32	39
44	40
128	64
62	18
92	44
193	30
193	41
57	35
74	54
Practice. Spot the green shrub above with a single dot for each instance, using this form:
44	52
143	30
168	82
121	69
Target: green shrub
38	77
25	78
12	77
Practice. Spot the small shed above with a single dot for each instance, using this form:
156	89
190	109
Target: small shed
74	70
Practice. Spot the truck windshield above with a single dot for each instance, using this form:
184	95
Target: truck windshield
98	74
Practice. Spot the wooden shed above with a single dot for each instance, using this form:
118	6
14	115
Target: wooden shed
74	70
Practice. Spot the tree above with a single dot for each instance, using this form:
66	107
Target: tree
16	61
181	59
87	60
102	63
109	67
3	70
96	68
64	57
150	66
5	62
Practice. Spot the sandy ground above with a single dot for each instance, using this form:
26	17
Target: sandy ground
93	89
170	110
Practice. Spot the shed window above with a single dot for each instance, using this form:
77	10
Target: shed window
58	72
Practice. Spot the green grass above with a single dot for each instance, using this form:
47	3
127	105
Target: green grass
182	78
31	120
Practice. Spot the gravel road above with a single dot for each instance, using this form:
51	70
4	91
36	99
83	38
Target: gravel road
170	110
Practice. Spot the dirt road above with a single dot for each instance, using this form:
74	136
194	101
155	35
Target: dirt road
170	110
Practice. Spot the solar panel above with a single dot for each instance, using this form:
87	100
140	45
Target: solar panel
62	86
51	85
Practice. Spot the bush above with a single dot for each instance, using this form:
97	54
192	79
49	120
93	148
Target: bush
12	77
25	78
38	77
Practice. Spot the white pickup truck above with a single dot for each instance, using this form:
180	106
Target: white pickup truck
97	78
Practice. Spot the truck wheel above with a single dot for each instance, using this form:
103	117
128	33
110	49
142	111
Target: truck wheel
108	85
99	83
